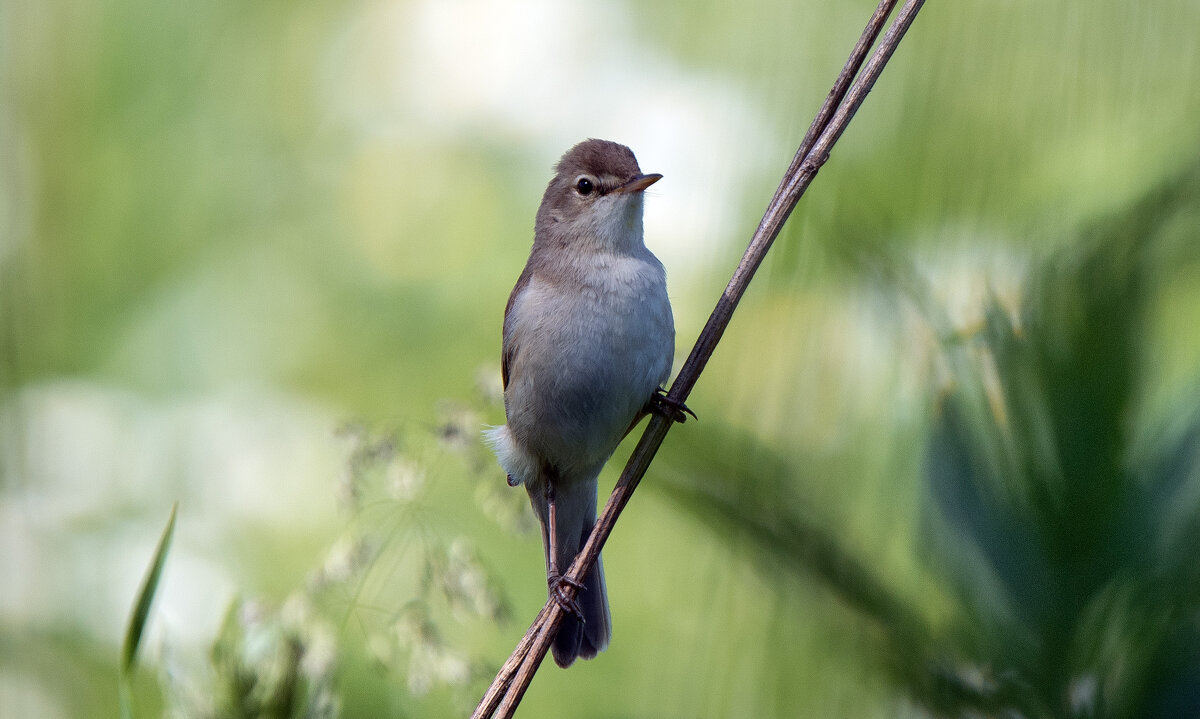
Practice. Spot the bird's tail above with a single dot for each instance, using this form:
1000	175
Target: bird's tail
575	515
585	638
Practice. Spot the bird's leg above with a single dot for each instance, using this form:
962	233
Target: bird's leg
556	581
676	411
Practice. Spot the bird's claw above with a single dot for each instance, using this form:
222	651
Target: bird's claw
558	584
675	411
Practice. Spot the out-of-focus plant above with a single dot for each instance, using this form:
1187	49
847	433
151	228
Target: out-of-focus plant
1065	511
1062	509
398	591
268	664
141	613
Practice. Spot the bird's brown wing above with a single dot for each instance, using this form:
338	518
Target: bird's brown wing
510	346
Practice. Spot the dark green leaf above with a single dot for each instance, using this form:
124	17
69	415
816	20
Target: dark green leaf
141	608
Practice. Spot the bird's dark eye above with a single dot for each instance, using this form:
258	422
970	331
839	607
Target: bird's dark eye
584	186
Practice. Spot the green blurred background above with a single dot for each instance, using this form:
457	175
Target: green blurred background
254	258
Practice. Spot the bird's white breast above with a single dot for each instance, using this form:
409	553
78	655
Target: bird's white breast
594	340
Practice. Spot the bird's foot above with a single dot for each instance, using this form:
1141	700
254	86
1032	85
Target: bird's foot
675	411
558	593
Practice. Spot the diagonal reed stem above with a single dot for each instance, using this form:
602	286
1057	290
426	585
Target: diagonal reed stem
502	697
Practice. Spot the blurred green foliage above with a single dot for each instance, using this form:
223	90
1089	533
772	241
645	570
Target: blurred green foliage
1060	513
1061	510
1068	505
946	460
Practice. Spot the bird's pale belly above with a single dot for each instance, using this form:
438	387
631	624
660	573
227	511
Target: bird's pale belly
617	362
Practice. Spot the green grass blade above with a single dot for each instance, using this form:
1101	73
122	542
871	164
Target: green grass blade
141	610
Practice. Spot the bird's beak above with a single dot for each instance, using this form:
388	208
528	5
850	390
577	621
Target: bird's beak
639	183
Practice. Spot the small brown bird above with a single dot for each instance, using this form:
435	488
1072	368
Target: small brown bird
588	339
